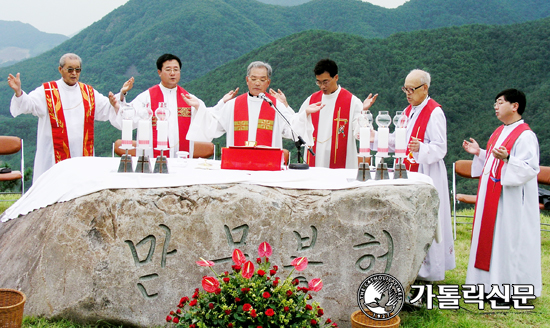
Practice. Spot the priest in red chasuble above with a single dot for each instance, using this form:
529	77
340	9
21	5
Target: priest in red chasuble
327	120
247	117
66	111
427	147
506	243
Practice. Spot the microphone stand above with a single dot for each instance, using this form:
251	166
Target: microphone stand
299	141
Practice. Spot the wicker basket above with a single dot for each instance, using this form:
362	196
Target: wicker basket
12	303
360	320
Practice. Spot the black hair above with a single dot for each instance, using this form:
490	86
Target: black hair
326	65
166	57
514	96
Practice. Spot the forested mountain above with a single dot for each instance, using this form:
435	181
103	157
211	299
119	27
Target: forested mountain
284	2
19	41
469	64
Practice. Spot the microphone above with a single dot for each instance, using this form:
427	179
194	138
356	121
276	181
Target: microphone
298	143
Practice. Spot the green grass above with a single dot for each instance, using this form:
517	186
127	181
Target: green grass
6	200
467	316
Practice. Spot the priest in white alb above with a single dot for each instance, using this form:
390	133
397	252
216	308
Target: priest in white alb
328	120
427	146
248	117
506	241
66	111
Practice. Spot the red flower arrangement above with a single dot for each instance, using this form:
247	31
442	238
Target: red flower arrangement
248	297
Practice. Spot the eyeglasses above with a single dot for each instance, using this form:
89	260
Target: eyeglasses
411	90
323	83
255	79
71	70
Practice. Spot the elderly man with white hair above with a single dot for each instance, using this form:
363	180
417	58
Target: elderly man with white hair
66	111
247	117
427	146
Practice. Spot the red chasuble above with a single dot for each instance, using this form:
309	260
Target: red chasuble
418	131
264	132
60	138
492	196
184	117
340	129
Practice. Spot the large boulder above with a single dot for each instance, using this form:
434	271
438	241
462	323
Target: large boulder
127	256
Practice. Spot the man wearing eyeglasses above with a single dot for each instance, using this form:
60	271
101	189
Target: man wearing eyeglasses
66	111
427	135
328	120
505	248
247	117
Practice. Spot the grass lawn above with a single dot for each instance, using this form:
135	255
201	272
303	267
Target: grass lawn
467	316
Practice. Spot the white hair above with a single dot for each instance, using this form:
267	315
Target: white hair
258	64
64	58
425	77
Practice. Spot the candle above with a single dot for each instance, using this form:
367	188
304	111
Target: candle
364	141
144	133
383	135
162	134
126	133
400	142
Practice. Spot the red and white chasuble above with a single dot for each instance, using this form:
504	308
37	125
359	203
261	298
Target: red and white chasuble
494	189
418	131
184	117
59	126
340	129
264	132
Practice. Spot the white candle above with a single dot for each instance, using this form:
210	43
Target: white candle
364	141
127	132
162	134
144	133
383	135
400	142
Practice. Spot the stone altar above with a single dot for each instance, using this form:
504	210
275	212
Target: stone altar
127	256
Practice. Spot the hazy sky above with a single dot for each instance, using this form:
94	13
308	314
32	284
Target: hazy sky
70	16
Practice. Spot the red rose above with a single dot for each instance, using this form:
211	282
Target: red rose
313	321
261	273
286	309
275	283
272	272
172	313
193	303
228	312
309	307
320	313
237	299
276	268
258	260
266	295
236	268
328	321
253	313
178	311
247	307
267	260
230	325
211	305
184	299
192	325
176	320
168	318
269	312
288	293
226	280
218	291
245	290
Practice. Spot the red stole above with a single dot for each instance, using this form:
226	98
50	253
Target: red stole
60	138
420	128
184	117
339	126
492	196
264	132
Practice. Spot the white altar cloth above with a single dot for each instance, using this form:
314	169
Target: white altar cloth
81	176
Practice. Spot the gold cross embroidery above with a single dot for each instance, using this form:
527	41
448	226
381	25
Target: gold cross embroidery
339	129
184	111
241	126
265	124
